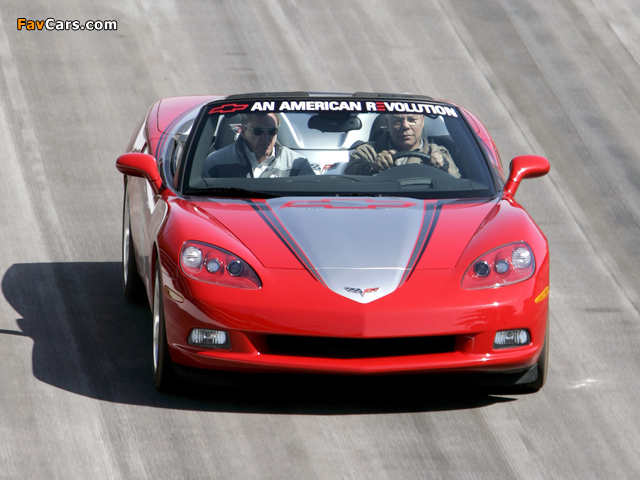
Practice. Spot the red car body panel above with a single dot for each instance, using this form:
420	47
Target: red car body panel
165	113
439	305
290	301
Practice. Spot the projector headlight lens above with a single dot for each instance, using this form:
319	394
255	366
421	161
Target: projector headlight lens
482	269
213	265
502	266
235	268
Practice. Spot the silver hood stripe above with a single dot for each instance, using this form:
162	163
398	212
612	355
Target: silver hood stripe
362	249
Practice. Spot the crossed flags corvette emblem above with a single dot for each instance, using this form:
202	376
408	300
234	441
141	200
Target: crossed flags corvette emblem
360	291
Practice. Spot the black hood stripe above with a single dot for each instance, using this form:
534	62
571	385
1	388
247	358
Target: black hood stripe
265	212
426	231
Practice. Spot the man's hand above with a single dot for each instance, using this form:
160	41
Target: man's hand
378	161
437	159
383	160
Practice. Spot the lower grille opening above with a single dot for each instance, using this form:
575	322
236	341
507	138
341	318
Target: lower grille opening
328	347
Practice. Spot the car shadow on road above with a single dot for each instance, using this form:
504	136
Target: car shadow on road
88	340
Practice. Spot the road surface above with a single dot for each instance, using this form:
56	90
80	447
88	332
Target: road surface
557	78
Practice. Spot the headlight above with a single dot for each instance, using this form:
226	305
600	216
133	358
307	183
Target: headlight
210	264
192	257
504	265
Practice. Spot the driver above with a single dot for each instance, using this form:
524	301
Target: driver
256	152
404	134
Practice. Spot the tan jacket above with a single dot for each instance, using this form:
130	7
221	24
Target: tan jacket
363	158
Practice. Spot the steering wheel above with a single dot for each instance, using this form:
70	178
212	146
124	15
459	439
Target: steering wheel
424	157
421	155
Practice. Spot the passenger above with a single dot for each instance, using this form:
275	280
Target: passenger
404	134
256	152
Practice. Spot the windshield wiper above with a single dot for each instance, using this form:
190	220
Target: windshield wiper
234	192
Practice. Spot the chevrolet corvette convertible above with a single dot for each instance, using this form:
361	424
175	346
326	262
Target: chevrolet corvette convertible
345	234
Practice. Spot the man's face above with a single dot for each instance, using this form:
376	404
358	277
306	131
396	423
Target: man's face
405	130
261	145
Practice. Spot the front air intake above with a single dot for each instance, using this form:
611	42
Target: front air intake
328	347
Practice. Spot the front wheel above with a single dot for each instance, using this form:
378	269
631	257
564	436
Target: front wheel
131	282
163	374
543	365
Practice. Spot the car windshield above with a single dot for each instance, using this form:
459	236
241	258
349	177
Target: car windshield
334	146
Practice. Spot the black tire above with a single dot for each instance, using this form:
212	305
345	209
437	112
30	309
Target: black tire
132	284
163	373
543	365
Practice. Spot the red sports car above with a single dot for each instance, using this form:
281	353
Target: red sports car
346	234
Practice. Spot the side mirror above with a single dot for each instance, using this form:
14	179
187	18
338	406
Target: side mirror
525	166
140	165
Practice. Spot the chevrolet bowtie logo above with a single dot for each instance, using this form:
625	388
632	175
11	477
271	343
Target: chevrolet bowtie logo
360	291
229	108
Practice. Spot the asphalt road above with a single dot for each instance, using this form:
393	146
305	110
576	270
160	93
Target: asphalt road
555	77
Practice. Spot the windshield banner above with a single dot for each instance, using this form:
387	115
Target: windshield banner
335	106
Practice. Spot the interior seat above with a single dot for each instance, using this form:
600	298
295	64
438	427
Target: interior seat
226	133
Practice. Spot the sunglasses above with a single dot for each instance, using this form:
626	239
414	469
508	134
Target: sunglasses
258	131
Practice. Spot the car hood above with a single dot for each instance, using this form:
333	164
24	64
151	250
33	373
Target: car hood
363	248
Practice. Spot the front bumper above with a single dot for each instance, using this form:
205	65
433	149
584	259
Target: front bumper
430	304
